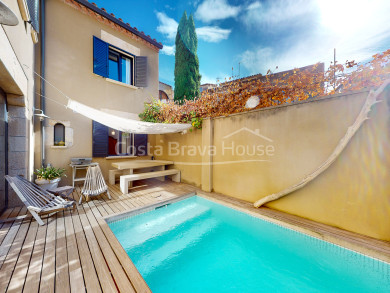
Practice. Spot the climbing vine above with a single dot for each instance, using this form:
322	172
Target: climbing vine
273	90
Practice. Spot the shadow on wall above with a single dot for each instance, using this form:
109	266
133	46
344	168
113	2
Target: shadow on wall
251	155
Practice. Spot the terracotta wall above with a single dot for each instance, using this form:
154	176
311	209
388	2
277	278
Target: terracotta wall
265	151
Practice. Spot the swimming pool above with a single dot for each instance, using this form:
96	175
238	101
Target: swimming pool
197	245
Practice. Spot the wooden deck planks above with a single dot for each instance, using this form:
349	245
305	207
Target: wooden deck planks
20	272
62	269
91	279
12	256
35	266
8	234
75	271
121	280
76	251
47	282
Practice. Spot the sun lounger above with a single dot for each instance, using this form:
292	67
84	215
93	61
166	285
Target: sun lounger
37	200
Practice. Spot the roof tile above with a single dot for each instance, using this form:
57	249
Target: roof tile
111	17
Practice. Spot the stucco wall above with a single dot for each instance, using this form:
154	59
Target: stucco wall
190	166
69	66
294	140
17	81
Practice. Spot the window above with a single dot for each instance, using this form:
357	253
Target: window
59	134
114	63
120	67
163	96
119	143
113	66
111	142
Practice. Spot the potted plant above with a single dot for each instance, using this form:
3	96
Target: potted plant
49	177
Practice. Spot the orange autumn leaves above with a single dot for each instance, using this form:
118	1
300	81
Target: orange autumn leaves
276	89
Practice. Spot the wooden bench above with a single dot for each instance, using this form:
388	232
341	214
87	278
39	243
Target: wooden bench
111	175
125	179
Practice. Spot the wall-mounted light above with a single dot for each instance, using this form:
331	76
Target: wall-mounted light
7	17
113	133
41	115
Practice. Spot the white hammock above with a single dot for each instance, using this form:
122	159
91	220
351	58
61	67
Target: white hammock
125	124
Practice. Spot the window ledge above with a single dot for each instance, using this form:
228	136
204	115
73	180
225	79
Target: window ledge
121	83
119	157
59	147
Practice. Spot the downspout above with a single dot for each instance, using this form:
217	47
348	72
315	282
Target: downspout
5	150
43	105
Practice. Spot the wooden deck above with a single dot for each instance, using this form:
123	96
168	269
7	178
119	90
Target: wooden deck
76	251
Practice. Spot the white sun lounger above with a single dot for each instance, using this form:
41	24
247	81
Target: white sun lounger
37	200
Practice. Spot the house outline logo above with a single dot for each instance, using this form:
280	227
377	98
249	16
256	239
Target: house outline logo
253	132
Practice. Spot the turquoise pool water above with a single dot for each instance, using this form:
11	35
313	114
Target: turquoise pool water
196	245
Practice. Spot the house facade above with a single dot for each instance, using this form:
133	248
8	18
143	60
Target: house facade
206	86
165	92
98	60
18	38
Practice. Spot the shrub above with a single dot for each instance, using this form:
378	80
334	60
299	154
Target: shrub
49	173
273	90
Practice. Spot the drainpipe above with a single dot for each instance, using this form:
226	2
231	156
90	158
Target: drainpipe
5	150
43	108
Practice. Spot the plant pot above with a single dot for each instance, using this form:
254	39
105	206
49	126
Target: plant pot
48	184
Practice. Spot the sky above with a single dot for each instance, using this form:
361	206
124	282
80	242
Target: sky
253	36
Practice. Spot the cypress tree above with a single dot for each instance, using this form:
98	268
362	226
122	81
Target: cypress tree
187	77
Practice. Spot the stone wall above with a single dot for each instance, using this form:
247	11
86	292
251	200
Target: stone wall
17	148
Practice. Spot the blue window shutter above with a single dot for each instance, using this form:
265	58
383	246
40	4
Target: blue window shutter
100	57
99	140
33	9
141	73
140	144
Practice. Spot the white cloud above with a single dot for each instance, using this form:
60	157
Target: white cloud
167	26
356	36
168	50
210	10
278	13
255	60
207	79
212	34
218	78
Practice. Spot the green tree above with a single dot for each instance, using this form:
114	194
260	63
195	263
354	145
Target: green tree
187	77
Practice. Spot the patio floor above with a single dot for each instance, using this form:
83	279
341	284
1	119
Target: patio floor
76	251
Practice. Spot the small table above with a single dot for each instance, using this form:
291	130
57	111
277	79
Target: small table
63	191
128	167
79	167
